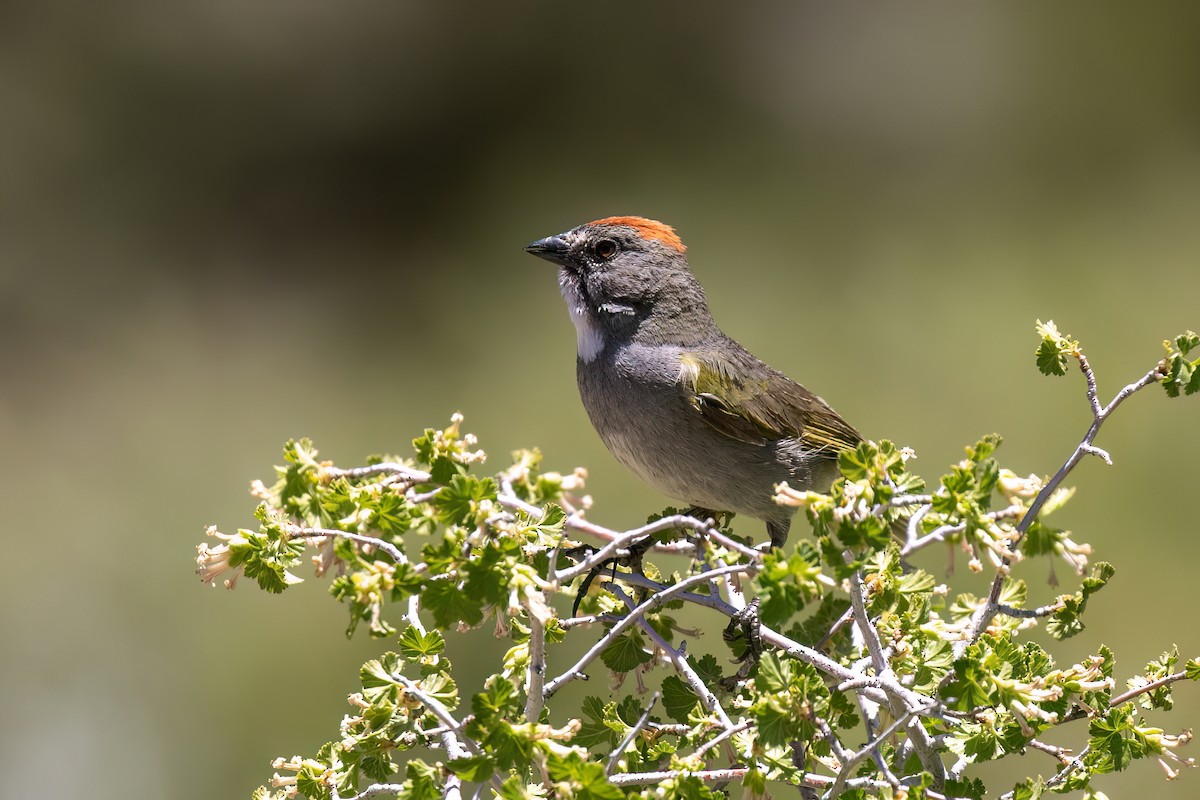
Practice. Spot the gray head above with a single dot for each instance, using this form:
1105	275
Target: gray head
627	279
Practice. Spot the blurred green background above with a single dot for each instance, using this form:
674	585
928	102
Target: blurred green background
224	224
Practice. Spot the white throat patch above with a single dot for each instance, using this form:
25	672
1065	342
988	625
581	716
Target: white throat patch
589	338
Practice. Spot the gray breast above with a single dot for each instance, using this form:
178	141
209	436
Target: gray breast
637	404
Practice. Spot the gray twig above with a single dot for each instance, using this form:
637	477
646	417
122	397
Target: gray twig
988	609
615	756
300	532
654	601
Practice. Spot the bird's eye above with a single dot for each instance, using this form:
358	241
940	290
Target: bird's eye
606	248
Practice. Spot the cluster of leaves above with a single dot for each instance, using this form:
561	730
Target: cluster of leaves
425	544
1178	373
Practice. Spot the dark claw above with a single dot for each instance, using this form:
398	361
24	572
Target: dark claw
745	626
632	558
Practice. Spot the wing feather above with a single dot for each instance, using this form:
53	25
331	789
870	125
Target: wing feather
742	398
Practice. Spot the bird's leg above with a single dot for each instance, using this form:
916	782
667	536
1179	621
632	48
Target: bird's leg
744	625
631	557
778	532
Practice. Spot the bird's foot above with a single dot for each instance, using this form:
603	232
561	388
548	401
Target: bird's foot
744	626
630	557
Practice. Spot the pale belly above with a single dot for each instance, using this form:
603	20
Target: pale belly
646	421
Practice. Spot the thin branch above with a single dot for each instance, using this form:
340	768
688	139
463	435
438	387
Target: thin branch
737	773
707	600
902	500
849	678
1061	753
507	497
706	775
383	468
414	613
422	497
987	611
373	790
839	752
300	532
720	738
870	748
1061	775
620	540
537	665
1030	613
913	528
680	662
1149	687
576	622
915	543
901	709
610	550
451	789
1088	375
435	706
615	756
837	625
654	601
875	687
1065	772
863	622
454	746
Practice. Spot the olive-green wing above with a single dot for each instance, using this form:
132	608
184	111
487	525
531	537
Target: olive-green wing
743	398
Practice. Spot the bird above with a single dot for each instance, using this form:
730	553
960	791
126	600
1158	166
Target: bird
677	401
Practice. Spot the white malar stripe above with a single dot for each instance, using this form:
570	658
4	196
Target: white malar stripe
589	339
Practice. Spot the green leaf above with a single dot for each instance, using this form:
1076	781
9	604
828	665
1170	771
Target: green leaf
1054	350
678	698
600	725
707	667
1050	359
972	684
494	709
968	789
1187	341
476	769
1029	789
586	777
1112	747
1159	668
516	788
626	652
444	469
787	583
415	644
1179	375
497	700
423	781
450	605
1067	622
460	498
791	692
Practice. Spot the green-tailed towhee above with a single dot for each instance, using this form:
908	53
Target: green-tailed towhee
685	407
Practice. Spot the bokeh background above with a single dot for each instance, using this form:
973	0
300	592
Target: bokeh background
224	224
